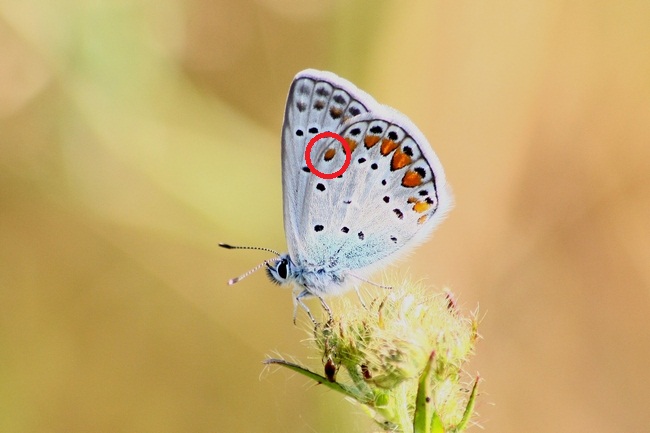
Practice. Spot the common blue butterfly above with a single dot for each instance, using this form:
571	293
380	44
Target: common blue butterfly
393	194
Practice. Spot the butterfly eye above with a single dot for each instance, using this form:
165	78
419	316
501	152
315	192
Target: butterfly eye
279	271
282	269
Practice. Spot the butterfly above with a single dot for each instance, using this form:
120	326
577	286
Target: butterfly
388	200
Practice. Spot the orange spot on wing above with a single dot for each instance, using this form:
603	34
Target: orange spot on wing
421	206
411	179
400	160
352	144
422	219
387	146
329	154
371	140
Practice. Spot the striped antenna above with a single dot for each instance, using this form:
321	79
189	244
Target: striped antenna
256	268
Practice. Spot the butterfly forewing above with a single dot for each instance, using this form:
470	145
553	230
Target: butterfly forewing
317	102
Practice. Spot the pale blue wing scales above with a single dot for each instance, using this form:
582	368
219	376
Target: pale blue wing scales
391	197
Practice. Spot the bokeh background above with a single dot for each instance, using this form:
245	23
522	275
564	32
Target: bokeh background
136	135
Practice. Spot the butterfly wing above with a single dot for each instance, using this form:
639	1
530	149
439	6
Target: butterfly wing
389	199
318	101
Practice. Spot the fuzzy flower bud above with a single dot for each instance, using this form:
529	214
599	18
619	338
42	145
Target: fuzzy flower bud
401	357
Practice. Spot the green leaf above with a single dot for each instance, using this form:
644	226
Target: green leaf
423	404
469	408
336	386
436	424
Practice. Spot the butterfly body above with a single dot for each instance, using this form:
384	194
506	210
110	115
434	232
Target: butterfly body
317	278
389	200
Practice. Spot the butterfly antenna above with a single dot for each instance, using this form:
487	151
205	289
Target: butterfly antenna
255	269
235	247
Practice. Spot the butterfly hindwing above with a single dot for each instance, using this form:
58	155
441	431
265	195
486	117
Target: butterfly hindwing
391	196
388	199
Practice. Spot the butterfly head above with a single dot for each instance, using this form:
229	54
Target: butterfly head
281	270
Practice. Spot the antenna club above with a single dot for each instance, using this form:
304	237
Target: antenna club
239	247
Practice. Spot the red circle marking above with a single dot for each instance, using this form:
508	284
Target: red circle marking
346	146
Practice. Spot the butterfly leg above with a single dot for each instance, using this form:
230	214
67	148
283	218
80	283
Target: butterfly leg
298	301
327	309
363	304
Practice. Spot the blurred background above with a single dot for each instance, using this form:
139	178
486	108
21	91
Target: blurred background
136	135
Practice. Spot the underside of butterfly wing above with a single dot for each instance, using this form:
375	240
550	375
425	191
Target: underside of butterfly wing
388	200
